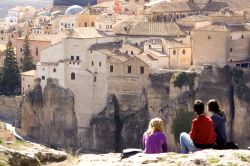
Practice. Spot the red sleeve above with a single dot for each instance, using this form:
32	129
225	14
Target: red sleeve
193	131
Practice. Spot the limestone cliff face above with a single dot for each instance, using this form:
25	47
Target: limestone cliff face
48	118
174	105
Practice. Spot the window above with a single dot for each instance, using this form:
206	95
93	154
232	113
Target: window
43	77
231	49
21	60
100	64
36	51
132	53
142	69
54	70
72	58
209	37
72	25
129	69
85	24
174	52
242	36
126	52
92	63
111	68
73	76
92	24
77	58
21	49
183	52
94	79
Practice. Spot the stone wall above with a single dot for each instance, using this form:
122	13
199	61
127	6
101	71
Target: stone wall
8	107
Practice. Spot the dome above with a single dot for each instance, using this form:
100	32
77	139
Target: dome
75	9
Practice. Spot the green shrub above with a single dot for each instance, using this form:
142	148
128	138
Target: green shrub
182	123
184	79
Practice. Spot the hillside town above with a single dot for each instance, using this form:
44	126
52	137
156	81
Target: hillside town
112	47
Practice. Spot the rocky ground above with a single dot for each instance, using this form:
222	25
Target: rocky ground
21	153
30	154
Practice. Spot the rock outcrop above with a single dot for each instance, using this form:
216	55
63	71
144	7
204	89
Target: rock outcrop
173	103
204	158
48	118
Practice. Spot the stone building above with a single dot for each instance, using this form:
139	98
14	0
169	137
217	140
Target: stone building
67	22
37	43
136	32
75	66
20	14
87	17
227	15
180	55
220	44
27	82
165	11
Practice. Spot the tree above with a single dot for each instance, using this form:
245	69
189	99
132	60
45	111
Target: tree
10	78
28	59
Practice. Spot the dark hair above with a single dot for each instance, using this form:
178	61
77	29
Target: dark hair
199	107
213	106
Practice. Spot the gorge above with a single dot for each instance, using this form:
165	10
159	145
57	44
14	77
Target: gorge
49	117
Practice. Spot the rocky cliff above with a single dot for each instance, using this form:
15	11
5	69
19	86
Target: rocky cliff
49	118
170	96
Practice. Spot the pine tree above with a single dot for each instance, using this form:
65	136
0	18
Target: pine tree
28	59
10	74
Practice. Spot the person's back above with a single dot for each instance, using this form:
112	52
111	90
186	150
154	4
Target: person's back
219	120
202	133
220	128
155	143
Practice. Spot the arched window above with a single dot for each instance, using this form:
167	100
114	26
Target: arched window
132	53
174	52
183	52
73	76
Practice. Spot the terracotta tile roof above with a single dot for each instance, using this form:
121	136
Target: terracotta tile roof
165	7
173	44
224	28
147	57
195	18
226	13
107	45
85	32
215	6
135	28
109	53
214	27
29	73
237	4
38	37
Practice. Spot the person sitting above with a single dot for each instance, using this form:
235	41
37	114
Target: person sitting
154	140
202	135
219	120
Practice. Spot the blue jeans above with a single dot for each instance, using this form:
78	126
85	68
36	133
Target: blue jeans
186	143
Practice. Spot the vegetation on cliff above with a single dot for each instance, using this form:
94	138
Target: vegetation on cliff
181	123
184	79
